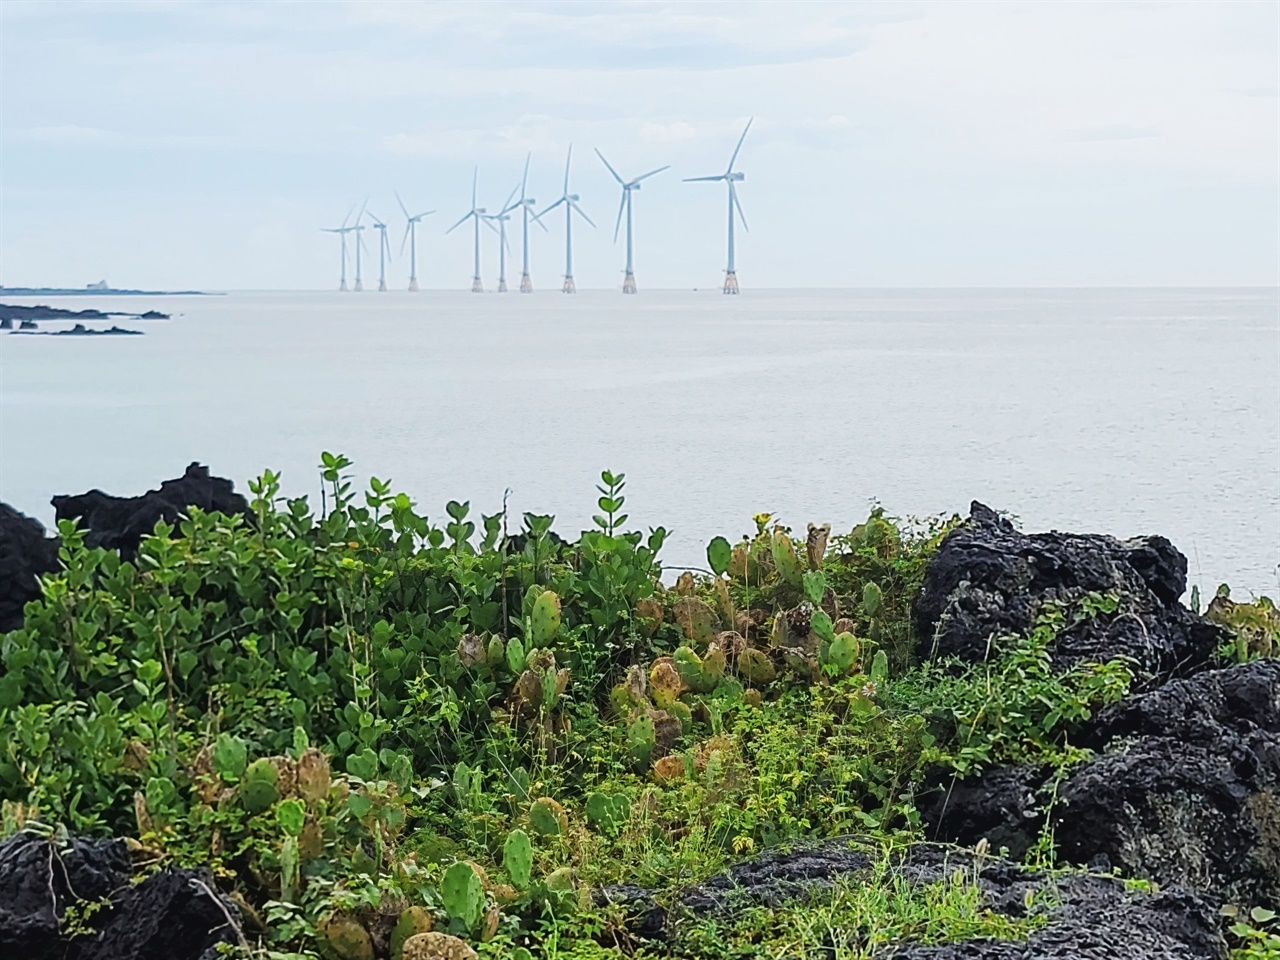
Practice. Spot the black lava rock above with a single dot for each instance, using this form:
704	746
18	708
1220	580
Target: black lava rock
120	523
989	580
25	554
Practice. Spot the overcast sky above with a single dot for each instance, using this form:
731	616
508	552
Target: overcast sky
175	145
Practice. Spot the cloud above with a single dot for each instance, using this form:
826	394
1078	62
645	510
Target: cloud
1115	131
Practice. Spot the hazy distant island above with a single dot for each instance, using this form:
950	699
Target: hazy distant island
93	289
28	328
13	312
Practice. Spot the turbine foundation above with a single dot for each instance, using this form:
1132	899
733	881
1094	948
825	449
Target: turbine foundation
476	285
502	286
358	287
413	284
526	285
731	282
382	286
342	287
568	286
629	283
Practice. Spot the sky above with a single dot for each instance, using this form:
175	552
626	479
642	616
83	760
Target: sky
203	145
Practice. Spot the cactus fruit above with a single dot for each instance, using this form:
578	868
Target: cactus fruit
640	739
608	813
258	788
649	613
347	939
701	674
412	921
872	597
668	769
842	653
756	667
437	946
462	894
816	544
517	858
471	650
665	684
696	619
548	818
785	559
313	776
545	618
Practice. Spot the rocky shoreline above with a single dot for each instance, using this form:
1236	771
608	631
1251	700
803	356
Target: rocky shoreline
1181	792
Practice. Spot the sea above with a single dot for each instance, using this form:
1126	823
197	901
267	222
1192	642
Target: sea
1121	411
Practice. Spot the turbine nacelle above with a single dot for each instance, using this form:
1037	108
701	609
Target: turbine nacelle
737	176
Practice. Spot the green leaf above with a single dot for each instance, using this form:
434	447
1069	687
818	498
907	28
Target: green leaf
1262	915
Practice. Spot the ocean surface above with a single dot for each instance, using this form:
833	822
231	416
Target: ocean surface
1125	411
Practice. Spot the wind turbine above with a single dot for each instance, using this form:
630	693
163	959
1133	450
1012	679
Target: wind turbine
357	228
731	177
411	235
476	213
384	251
570	201
502	216
629	281
342	232
526	204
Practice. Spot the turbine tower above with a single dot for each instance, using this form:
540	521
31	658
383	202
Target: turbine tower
477	214
570	201
411	235
527	204
502	216
731	177
629	281
357	228
342	232
384	252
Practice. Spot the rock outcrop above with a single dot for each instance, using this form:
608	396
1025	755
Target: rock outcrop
989	580
120	523
25	554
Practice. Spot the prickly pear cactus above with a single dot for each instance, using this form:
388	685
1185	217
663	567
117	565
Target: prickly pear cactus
462	894
696	619
665	684
608	813
785	560
755	667
842	653
816	545
471	650
872	597
545	618
700	674
548	818
649	614
681	712
727	612
258	787
641	737
411	922
347	939
517	857
496	653
437	946
313	776
668	769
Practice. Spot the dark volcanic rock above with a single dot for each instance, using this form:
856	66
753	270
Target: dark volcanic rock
990	580
120	523
1185	790
172	915
1092	917
39	881
25	554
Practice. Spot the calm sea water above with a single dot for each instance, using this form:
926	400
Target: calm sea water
1120	411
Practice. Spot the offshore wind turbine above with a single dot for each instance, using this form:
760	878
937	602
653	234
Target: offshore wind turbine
357	228
570	201
526	204
342	232
411	235
629	281
384	251
502	216
477	214
730	177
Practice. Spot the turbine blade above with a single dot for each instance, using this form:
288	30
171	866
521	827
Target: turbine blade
567	159
475	176
405	240
362	206
426	213
607	164
538	217
618	225
460	223
739	146
488	222
581	214
348	216
525	179
650	174
733	197
703	179
403	209
508	206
